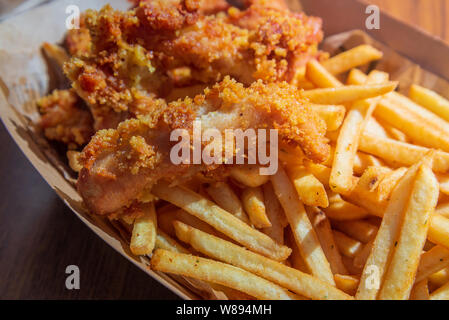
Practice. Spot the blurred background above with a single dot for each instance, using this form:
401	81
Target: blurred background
40	236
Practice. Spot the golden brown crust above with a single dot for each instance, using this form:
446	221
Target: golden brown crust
64	118
119	164
160	46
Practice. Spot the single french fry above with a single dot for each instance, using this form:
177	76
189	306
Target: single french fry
401	273
310	190
319	76
439	230
221	220
420	291
275	214
387	235
401	153
430	100
432	261
357	229
331	114
341	210
348	247
248	175
362	256
352	58
253	202
347	94
143	236
217	272
324	233
441	294
226	198
295	280
302	229
346	283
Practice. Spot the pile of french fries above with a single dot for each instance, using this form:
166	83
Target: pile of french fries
370	223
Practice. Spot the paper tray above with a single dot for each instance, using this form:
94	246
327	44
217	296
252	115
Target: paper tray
25	76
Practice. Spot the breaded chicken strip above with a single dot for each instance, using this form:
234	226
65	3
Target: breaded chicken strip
163	46
120	165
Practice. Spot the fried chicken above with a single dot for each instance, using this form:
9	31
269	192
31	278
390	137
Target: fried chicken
120	165
65	119
162	46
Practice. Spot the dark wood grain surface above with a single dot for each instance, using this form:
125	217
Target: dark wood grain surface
39	236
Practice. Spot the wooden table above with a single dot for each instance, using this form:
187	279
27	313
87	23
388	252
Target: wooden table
39	236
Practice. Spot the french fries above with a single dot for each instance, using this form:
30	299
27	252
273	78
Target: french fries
275	214
341	210
352	58
432	261
384	243
439	230
248	175
332	115
226	198
346	283
348	94
404	262
401	153
348	139
418	123
430	100
358	229
300	283
302	229
310	190
144	232
221	220
317	74
324	233
253	202
217	272
347	246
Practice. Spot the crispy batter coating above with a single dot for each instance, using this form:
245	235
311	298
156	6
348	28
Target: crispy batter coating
78	41
161	46
65	119
120	165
